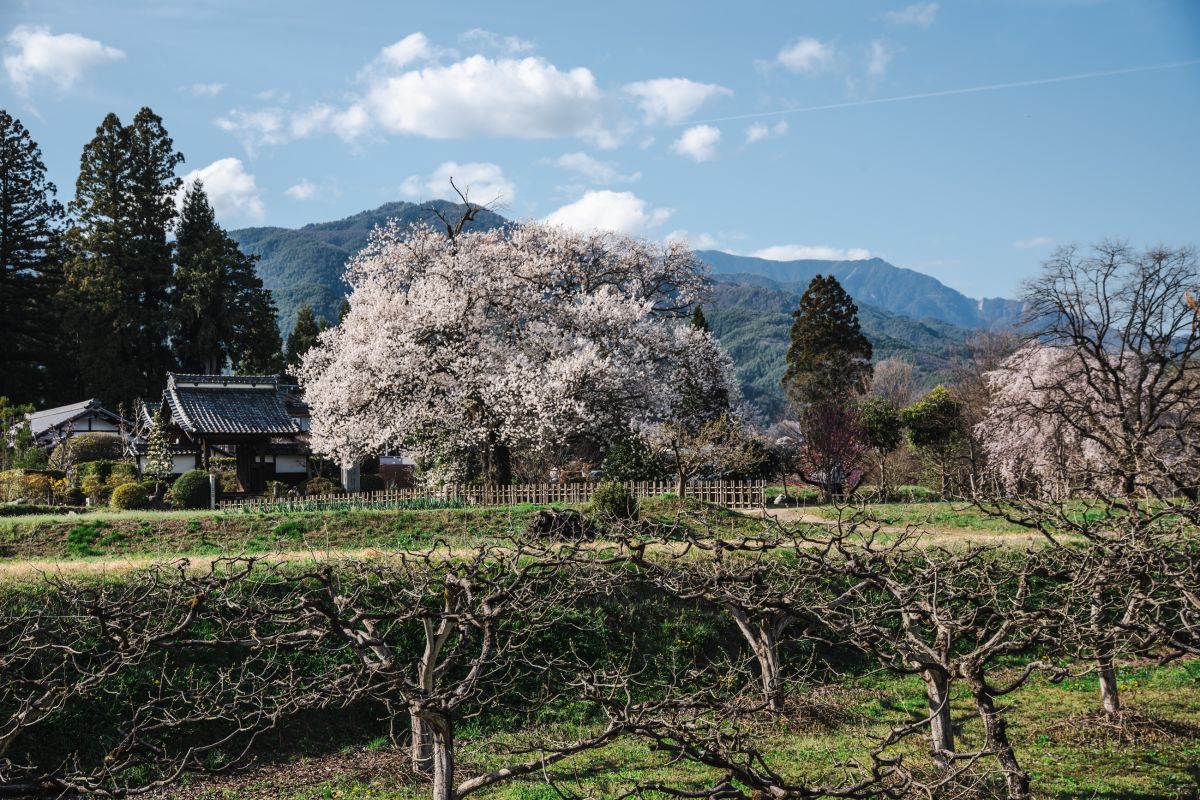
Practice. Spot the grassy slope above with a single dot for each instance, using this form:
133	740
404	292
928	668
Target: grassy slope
107	534
835	723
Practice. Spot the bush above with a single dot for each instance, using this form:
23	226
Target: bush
23	509
191	490
104	469
371	483
87	447
913	494
632	460
614	501
131	495
551	523
320	486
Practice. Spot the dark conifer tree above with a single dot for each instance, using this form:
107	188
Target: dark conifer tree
303	336
829	359
222	314
33	368
698	320
119	272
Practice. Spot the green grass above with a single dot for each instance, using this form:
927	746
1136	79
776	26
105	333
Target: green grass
943	515
824	727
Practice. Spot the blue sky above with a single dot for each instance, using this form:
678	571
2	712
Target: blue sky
799	129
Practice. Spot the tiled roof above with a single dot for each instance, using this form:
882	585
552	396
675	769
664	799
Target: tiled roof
223	404
47	418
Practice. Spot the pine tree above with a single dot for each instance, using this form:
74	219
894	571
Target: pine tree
829	359
222	314
159	463
303	336
31	359
698	320
119	273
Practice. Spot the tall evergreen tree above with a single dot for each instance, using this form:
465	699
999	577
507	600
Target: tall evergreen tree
303	336
698	320
31	220
222	314
119	272
829	359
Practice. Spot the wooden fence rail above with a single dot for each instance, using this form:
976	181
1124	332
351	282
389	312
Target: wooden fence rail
731	494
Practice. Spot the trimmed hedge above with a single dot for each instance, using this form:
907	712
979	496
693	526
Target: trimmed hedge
131	495
24	509
614	501
191	490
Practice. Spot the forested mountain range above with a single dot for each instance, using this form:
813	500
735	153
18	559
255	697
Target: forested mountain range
303	266
904	313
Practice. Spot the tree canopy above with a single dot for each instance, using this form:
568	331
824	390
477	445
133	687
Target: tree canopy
829	358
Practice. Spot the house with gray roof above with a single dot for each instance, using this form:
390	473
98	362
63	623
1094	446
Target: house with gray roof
50	426
249	418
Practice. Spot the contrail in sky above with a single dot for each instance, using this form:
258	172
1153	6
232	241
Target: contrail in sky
993	87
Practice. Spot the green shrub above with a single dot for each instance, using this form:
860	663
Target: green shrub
319	486
914	494
191	490
632	460
371	483
131	495
614	501
87	447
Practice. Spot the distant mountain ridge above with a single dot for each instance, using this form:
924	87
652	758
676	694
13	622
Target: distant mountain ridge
304	266
903	312
876	282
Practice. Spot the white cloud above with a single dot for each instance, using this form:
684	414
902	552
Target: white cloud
231	190
920	15
256	128
33	52
761	130
494	42
1033	243
698	143
699	241
608	210
878	58
485	183
593	169
807	55
673	100
414	47
304	190
799	252
206	89
478	96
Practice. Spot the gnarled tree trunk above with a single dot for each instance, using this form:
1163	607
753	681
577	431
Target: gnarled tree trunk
995	728
763	637
941	729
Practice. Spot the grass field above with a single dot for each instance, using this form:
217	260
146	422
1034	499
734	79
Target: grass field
1156	756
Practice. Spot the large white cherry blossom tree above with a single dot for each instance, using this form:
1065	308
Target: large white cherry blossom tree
485	343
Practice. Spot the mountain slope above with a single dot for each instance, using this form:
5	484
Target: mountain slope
752	317
903	313
304	266
878	283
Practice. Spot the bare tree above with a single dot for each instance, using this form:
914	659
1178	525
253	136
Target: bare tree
79	643
1129	384
473	615
943	615
745	577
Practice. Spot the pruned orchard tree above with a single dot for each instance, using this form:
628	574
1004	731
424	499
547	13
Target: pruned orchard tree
745	577
1094	428
432	636
183	702
945	615
482	342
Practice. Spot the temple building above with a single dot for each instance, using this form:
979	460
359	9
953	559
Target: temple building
248	418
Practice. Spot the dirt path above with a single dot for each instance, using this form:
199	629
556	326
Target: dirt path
930	534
